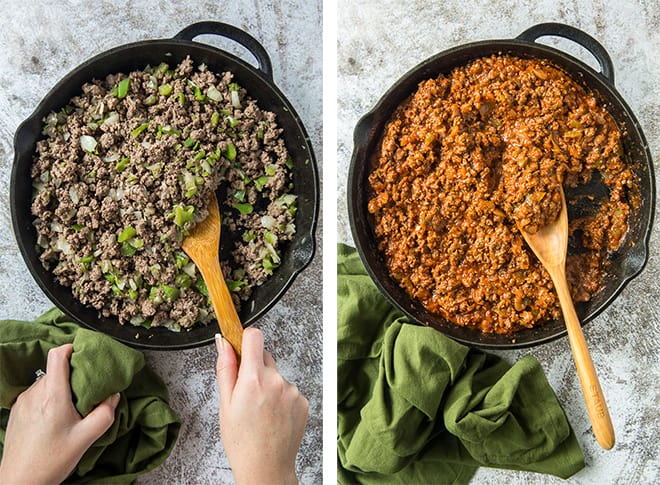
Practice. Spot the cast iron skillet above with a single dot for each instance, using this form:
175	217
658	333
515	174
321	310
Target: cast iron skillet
624	265
259	84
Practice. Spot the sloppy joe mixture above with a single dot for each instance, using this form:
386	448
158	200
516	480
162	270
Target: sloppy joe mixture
125	170
475	155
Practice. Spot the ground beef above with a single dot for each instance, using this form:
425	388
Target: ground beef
474	155
124	172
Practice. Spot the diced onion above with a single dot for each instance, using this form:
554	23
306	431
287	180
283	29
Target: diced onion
63	246
189	269
214	94
189	180
268	222
106	266
42	241
235	99
273	254
111	157
137	320
116	194
73	193
88	143
285	200
113	117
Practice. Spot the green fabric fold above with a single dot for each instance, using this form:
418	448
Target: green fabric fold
416	407
145	427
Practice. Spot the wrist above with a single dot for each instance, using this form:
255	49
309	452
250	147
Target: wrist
284	477
290	478
10	478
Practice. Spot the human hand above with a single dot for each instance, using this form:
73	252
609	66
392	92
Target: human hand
262	416
46	437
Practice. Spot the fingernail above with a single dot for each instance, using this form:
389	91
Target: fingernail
219	343
115	399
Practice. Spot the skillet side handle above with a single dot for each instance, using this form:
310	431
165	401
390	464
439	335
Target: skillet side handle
579	37
232	33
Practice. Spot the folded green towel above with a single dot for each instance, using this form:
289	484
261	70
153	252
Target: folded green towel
416	407
145	427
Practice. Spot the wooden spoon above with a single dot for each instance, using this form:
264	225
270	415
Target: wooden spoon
550	244
202	246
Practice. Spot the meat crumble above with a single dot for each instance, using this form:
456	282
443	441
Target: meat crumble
470	157
125	170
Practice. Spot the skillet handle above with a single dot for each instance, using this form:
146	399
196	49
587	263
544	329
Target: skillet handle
577	36
232	33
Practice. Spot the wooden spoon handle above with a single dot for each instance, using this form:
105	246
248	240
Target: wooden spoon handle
230	324
593	394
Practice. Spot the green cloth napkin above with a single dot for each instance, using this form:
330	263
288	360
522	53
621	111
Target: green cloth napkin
145	427
416	407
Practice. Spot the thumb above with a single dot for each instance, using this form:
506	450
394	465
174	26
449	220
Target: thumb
226	369
98	421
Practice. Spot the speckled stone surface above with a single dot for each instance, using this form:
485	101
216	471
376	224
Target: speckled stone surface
39	43
381	40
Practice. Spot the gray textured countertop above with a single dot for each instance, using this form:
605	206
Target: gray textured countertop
381	40
42	41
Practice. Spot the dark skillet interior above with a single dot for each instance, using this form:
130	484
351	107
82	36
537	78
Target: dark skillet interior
625	264
296	256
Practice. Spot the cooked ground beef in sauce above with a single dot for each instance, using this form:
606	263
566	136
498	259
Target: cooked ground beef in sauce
125	171
472	156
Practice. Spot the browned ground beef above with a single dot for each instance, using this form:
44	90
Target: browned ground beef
125	171
471	156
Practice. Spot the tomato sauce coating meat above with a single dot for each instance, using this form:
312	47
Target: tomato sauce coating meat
472	156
